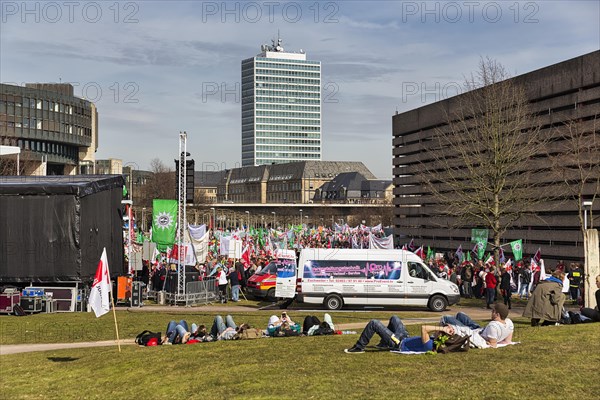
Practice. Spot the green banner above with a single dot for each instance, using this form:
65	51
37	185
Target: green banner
517	249
481	250
479	235
164	223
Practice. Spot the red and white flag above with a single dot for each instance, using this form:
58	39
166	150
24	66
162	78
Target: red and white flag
100	294
538	255
420	252
245	258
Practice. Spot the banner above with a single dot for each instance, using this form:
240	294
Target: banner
164	223
517	249
200	246
479	235
381	243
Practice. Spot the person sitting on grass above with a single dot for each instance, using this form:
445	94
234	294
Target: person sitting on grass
594	313
396	337
498	331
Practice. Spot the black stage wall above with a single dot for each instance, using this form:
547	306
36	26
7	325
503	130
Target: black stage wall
54	228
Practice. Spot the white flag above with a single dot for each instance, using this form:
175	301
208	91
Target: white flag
101	288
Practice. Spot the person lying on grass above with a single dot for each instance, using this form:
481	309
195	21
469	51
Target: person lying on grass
179	333
498	331
396	337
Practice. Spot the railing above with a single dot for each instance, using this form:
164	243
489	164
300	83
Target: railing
197	292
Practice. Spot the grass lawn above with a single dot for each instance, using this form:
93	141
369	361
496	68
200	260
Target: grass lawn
551	362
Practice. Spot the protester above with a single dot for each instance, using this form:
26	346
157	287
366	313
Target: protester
524	280
396	337
223	330
498	331
314	327
490	287
283	326
575	279
234	281
547	300
505	287
594	313
177	333
222	282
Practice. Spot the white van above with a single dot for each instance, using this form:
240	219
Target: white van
370	277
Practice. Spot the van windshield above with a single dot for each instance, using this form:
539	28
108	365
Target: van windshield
271	268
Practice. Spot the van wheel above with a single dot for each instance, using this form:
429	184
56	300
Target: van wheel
333	302
271	294
438	303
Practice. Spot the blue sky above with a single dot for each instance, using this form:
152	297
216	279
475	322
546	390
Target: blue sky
153	67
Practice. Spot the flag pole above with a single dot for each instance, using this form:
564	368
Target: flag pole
112	301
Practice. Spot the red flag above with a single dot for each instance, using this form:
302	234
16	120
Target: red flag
99	295
245	258
420	252
538	255
404	247
411	245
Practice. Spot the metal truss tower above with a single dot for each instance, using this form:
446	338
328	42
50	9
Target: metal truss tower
181	216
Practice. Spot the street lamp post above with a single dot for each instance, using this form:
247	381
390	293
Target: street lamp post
214	221
273	212
300	216
143	219
248	225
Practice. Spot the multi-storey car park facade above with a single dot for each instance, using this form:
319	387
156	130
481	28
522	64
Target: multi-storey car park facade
281	107
56	131
567	92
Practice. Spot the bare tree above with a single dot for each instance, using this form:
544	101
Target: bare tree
27	163
576	163
490	179
162	185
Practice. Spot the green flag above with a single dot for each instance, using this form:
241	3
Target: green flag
517	249
164	222
430	254
481	250
124	191
468	256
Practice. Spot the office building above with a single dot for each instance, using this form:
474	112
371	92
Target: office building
559	95
281	107
56	131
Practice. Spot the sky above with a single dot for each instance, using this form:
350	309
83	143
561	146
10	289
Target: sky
155	68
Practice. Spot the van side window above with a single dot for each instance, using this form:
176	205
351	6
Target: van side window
416	270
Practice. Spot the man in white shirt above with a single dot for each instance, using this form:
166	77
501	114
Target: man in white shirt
498	331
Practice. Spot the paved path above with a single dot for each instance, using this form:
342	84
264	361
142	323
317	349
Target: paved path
476	313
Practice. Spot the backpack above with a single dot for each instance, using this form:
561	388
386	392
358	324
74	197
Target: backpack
323	329
449	344
18	310
148	338
249	333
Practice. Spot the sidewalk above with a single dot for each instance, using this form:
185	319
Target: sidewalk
476	313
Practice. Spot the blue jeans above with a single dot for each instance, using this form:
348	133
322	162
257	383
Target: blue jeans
395	327
176	330
489	295
219	326
523	290
461	319
235	292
